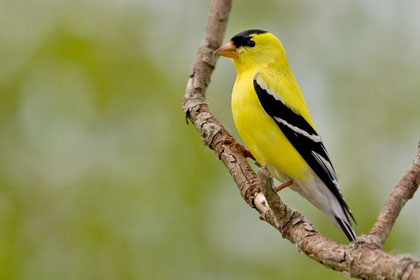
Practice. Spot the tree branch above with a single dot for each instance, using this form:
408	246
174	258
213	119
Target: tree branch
195	107
396	201
362	258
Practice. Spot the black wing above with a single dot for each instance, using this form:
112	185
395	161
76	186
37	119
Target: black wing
302	136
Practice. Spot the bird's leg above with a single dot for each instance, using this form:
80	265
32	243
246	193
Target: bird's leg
242	149
284	185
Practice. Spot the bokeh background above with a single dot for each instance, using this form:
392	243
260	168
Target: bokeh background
101	178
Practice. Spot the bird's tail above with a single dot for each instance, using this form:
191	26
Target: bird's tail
336	211
341	220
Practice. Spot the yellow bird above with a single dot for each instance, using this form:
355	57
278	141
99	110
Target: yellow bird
273	120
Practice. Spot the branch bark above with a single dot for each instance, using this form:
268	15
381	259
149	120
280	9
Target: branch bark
195	107
363	258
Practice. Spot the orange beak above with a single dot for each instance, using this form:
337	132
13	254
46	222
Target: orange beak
228	50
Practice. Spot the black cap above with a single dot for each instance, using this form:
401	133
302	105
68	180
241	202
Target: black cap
244	39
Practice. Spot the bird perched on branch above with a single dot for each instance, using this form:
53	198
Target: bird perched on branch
273	120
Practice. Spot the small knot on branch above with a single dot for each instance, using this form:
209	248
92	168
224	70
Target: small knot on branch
270	205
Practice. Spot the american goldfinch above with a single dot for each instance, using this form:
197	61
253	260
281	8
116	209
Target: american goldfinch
273	120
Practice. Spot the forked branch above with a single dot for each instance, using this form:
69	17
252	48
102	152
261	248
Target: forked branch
363	258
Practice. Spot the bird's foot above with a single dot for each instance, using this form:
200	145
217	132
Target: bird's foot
241	148
251	192
284	185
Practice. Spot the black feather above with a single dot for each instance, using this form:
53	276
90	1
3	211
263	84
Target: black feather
244	39
346	229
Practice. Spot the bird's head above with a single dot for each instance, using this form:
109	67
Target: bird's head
254	49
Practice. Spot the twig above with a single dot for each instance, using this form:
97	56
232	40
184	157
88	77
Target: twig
396	201
362	258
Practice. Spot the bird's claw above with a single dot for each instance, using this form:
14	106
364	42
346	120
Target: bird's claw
251	192
241	148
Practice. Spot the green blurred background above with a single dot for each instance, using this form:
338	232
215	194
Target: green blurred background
100	177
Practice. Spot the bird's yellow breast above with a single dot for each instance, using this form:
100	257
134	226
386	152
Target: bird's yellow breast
261	134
